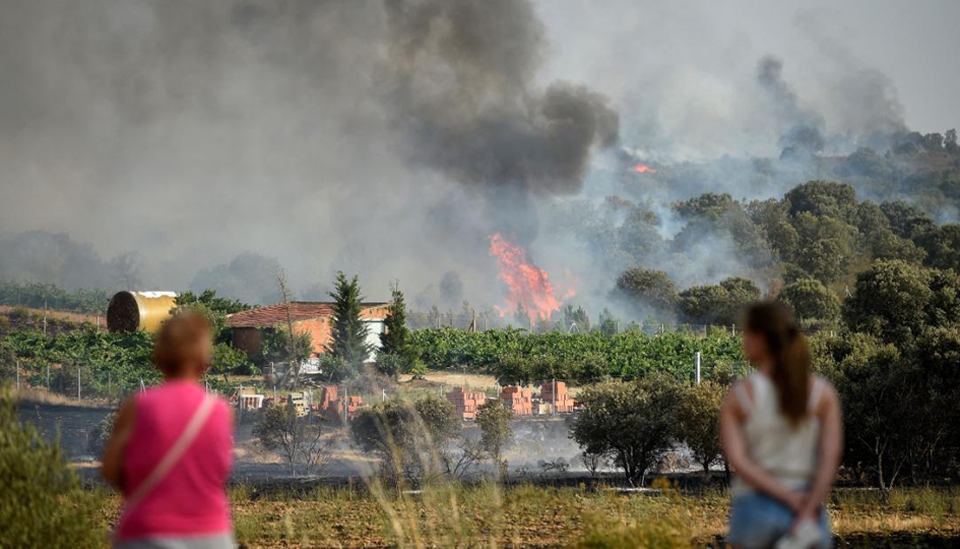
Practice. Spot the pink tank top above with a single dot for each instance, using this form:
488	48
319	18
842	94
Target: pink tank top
191	499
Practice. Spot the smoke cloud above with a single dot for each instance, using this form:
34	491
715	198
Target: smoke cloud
391	138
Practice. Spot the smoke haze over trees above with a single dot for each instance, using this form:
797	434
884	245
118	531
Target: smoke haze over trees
205	146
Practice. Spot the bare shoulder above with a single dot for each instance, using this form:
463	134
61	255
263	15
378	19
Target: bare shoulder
739	398
827	395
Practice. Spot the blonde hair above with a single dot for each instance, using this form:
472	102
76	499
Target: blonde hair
183	339
774	322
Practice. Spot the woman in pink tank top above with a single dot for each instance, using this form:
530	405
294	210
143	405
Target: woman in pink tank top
171	449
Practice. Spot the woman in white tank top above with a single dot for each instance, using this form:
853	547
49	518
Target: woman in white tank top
781	433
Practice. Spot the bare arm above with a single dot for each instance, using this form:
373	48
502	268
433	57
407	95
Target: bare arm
735	450
830	451
112	468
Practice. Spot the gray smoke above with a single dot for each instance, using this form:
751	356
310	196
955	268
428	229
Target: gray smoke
804	128
391	138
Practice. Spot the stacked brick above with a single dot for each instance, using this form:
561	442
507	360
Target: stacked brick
332	406
518	400
555	394
466	402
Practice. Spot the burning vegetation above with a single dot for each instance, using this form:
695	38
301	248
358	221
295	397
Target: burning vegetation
528	286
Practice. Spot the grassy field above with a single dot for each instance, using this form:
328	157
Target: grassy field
530	516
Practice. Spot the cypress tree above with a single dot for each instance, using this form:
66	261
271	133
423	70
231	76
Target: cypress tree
394	339
349	332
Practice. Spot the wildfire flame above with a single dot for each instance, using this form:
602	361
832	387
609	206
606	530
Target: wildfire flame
528	285
643	168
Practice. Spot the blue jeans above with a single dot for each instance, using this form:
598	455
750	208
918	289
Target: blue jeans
758	521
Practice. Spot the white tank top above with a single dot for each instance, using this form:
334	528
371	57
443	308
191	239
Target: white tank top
787	453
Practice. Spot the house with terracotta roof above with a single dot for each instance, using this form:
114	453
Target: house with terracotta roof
313	317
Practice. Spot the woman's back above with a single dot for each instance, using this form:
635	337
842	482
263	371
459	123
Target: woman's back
190	498
787	452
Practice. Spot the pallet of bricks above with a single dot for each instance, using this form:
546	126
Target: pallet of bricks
518	400
555	394
466	403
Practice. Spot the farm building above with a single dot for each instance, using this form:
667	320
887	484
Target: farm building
313	317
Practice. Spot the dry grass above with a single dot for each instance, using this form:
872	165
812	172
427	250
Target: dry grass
448	515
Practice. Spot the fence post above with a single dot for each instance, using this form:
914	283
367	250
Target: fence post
78	382
698	367
18	375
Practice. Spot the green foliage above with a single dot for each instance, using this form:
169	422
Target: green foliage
396	355
811	301
42	503
496	433
349	337
719	303
408	437
633	422
228	360
699	421
895	301
518	356
296	439
214	309
37	295
110	363
648	288
278	346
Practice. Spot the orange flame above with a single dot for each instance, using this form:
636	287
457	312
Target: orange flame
527	284
643	168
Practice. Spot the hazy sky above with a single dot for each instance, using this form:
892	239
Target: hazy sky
608	43
330	135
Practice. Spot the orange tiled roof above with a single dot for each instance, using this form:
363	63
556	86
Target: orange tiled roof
266	317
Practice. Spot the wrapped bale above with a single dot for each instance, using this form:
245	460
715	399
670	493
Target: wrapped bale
131	311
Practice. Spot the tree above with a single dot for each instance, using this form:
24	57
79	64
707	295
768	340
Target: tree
298	440
881	393
891	301
576	316
42	503
943	247
349	334
950	140
647	288
126	270
395	354
718	304
822	199
496	433
699	422
634	422
410	438
811	301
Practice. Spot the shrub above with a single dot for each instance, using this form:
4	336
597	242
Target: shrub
41	503
699	421
633	422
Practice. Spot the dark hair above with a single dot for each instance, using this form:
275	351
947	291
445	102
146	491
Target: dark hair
180	341
774	322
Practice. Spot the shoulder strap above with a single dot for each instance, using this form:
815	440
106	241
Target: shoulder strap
181	445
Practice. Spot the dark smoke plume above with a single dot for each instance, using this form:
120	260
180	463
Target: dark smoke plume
462	93
804	128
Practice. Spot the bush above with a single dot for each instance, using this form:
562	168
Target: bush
100	434
408	437
41	503
699	421
633	422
